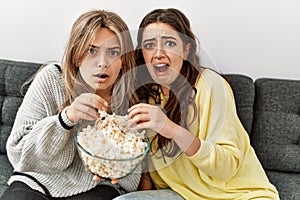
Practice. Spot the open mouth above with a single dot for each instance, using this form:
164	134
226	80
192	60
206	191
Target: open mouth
161	67
102	76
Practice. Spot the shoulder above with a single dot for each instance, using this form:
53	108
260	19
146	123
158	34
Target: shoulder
49	72
210	79
51	68
48	76
211	85
47	86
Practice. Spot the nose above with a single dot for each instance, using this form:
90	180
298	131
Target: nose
102	61
159	52
103	66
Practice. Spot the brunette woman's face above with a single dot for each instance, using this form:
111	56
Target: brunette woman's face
102	63
163	51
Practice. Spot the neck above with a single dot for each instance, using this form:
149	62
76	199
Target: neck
105	94
165	90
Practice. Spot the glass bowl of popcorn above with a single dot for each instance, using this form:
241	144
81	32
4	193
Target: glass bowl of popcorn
109	148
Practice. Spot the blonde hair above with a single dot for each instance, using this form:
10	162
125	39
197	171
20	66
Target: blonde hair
78	44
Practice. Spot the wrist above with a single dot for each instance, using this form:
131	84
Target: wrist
64	120
170	130
187	141
70	114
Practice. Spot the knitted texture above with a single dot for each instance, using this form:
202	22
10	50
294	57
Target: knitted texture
38	144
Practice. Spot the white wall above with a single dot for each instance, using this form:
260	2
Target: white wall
259	38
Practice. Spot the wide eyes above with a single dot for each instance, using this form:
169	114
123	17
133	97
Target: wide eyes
170	43
151	45
115	52
92	51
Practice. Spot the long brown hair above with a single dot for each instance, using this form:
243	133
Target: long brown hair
81	34
182	90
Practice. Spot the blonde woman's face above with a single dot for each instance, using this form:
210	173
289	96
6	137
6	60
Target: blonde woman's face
102	63
163	51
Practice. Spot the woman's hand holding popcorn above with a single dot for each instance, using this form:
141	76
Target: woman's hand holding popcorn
150	116
86	106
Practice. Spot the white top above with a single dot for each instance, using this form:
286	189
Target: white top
39	146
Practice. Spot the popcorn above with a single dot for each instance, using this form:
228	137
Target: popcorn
120	148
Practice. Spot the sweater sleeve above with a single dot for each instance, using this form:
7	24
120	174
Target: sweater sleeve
131	182
224	141
37	141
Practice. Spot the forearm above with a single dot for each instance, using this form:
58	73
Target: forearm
211	158
220	161
40	147
186	140
38	142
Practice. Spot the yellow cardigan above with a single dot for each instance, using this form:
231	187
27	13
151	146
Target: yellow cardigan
225	166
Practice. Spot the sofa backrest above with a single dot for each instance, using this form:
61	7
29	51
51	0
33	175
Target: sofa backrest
12	75
276	126
276	133
244	91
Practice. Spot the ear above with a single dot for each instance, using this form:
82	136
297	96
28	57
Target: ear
186	51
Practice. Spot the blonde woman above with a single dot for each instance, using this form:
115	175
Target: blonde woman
41	146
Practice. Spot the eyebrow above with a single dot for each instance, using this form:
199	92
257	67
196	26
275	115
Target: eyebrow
94	46
111	48
163	37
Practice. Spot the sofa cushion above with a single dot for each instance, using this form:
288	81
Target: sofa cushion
276	125
244	91
5	172
287	184
12	75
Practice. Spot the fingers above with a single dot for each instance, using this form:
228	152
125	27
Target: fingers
93	100
143	116
140	125
86	107
141	108
139	116
81	111
113	181
97	178
100	103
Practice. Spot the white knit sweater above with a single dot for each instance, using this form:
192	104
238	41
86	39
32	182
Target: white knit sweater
39	146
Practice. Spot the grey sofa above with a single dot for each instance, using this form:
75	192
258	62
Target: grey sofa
268	108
